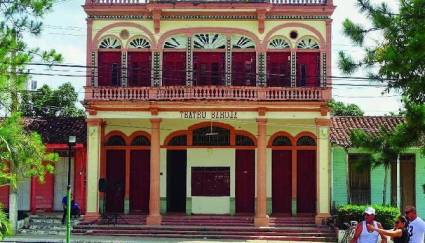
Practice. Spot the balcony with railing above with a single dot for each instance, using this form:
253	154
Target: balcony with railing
141	2
182	93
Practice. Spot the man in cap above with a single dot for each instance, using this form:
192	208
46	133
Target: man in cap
362	235
416	226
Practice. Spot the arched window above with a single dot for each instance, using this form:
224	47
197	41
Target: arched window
308	43
211	136
278	62
174	61
308	63
244	62
109	62
180	140
209	59
209	41
306	141
279	42
115	140
242	140
110	42
140	141
139	62
139	43
282	141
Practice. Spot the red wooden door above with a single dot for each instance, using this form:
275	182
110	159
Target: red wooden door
278	69
174	69
139	69
306	181
109	71
281	181
245	181
308	69
115	177
208	68
43	193
139	181
4	196
243	69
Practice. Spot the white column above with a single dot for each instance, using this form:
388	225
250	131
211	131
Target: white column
94	133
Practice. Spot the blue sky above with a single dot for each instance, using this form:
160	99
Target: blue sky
65	31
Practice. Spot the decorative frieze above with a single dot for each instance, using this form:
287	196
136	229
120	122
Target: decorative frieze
207	17
229	62
156	75
293	69
261	77
124	69
94	69
323	73
189	62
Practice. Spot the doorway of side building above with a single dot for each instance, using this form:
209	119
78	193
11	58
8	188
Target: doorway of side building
407	181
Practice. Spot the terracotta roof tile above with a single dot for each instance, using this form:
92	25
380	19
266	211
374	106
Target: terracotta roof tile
341	126
57	130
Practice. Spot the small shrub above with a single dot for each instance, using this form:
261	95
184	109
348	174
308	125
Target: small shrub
386	215
5	228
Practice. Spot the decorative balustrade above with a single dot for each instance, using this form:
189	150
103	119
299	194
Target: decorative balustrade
131	2
172	93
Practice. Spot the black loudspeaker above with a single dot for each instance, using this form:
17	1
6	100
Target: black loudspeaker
103	185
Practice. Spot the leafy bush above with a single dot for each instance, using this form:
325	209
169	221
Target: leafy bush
386	215
5	228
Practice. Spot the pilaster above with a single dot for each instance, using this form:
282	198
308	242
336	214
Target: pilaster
261	218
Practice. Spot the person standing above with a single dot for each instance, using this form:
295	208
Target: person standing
399	234
416	226
362	234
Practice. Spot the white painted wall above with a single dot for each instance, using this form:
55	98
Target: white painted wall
211	157
61	181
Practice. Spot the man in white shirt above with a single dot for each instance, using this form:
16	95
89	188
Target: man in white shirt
416	226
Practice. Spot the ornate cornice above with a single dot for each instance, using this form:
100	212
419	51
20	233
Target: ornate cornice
208	17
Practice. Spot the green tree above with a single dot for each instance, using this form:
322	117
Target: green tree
398	58
26	157
23	151
338	108
45	102
19	17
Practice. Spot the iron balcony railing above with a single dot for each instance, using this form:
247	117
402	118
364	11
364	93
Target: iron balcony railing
174	93
278	2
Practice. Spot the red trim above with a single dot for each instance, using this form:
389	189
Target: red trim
117	133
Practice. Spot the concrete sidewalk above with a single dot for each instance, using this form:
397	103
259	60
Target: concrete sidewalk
117	239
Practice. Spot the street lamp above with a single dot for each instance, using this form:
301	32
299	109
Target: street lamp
71	142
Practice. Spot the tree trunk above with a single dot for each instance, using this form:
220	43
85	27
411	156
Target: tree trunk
13	208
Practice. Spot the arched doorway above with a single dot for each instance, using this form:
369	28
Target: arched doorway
176	173
282	149
115	174
139	174
306	174
245	174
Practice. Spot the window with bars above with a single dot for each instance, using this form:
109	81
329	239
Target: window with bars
359	179
211	136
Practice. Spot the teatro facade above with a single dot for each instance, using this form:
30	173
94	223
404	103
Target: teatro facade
208	108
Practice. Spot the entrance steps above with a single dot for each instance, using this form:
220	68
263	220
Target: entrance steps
45	224
214	227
